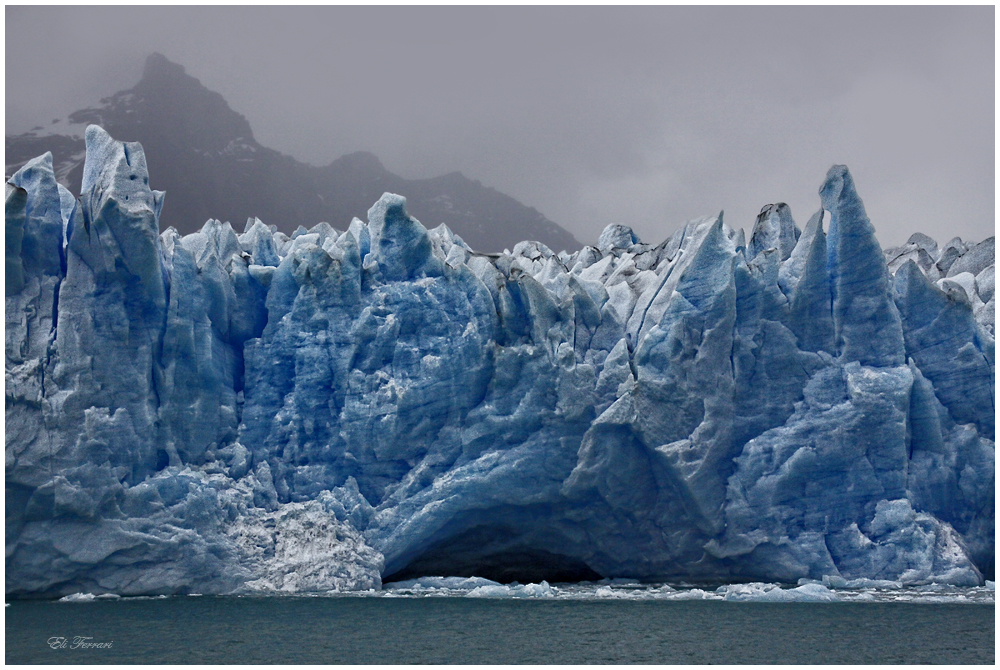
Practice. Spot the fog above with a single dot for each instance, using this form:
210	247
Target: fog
646	116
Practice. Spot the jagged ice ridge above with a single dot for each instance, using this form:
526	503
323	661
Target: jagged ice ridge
222	413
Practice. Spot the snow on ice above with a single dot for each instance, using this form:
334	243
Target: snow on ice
226	412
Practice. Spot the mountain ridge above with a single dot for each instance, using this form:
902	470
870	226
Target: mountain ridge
205	156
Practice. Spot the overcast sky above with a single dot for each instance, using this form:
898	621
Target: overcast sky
645	116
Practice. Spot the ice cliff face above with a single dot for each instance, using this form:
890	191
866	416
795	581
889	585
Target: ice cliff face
222	412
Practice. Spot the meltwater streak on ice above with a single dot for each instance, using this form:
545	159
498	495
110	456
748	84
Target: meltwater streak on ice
221	413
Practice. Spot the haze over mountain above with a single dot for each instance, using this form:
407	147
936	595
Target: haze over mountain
204	155
644	116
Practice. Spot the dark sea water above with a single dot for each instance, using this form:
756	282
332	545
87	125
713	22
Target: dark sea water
359	630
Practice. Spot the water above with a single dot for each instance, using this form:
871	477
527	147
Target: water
574	625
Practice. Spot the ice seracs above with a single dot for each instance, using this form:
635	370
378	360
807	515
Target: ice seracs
223	412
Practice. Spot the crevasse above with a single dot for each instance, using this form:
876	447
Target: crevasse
219	413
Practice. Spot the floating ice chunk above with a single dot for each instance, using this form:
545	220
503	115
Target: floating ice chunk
78	598
758	592
449	583
838	582
540	590
693	594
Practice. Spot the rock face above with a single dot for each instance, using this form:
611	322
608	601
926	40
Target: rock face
226	412
205	155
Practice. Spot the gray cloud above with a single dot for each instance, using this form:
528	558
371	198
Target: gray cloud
646	116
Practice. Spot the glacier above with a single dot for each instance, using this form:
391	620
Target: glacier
230	413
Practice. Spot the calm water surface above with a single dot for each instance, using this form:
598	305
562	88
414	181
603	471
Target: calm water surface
463	630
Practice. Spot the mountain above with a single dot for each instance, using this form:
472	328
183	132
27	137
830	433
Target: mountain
219	412
204	155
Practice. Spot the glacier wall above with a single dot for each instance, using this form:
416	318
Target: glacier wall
227	412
